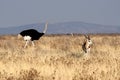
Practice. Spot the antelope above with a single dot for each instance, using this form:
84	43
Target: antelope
87	44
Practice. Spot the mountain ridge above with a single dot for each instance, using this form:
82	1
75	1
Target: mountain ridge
64	27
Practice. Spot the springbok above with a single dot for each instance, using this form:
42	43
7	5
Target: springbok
87	44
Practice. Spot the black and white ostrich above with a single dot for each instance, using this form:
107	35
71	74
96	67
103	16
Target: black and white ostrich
31	35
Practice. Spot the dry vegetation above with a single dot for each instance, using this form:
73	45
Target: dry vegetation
60	57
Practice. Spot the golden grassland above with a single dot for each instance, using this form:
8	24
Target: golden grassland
60	57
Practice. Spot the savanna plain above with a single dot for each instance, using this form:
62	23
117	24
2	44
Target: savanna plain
60	57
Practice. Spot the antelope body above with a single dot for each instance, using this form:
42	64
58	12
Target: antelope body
87	44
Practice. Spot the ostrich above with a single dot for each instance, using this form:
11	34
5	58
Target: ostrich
31	35
87	44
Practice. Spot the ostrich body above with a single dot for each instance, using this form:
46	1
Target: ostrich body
35	35
31	35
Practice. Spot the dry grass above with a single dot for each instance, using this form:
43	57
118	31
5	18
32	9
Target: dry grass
60	58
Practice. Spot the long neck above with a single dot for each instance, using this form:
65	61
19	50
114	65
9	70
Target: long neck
45	29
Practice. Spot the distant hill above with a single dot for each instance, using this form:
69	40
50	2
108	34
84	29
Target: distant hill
65	27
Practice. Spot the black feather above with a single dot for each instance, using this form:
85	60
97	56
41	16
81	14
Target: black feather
34	34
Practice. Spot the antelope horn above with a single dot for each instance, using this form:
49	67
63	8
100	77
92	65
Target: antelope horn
87	36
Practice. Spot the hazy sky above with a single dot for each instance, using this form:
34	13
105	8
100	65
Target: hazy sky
21	12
